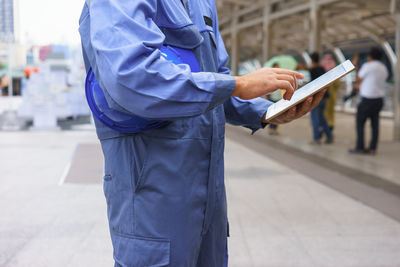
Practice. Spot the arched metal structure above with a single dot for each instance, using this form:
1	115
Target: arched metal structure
270	27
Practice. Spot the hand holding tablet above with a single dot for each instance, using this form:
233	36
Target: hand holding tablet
309	89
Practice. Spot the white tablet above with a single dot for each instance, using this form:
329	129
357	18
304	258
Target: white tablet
309	89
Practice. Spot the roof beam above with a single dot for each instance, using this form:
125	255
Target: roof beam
394	6
274	15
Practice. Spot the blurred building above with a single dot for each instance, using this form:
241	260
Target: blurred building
7	23
9	20
6	17
12	53
9	29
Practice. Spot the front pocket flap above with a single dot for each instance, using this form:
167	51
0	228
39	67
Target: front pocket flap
187	37
130	251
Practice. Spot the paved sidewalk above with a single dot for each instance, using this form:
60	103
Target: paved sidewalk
385	165
278	217
43	224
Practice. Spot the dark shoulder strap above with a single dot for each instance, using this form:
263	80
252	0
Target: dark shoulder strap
186	6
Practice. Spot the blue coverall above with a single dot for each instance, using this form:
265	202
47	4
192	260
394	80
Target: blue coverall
164	187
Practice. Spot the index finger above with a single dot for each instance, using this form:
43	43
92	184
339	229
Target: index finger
286	85
290	72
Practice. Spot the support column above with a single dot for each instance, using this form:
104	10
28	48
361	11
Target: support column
235	42
10	66
389	53
266	45
306	58
315	25
396	73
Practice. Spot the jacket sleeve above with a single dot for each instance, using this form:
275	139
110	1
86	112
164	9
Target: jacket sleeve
247	113
125	41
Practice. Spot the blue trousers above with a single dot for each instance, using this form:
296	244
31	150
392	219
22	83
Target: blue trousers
368	109
157	203
319	123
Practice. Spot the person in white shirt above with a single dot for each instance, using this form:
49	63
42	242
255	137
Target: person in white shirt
372	77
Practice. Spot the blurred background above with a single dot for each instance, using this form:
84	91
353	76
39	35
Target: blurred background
40	53
291	202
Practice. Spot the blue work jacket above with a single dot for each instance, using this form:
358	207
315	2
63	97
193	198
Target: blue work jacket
121	43
171	178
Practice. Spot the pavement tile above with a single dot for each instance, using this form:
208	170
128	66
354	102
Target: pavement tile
278	217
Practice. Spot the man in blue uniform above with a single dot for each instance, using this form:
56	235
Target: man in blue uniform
164	187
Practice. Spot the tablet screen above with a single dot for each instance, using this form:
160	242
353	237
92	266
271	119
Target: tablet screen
310	89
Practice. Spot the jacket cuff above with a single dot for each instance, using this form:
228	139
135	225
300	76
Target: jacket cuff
224	87
260	106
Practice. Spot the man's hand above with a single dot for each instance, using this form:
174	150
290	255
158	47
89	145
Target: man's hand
266	81
299	110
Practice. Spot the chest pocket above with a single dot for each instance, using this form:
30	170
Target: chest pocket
177	26
191	28
187	37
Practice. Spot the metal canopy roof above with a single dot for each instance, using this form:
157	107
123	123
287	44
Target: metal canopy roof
290	22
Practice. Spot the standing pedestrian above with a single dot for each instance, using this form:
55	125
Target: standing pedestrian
328	63
274	97
318	120
372	77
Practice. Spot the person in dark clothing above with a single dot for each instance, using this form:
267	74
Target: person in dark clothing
372	77
318	119
274	97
